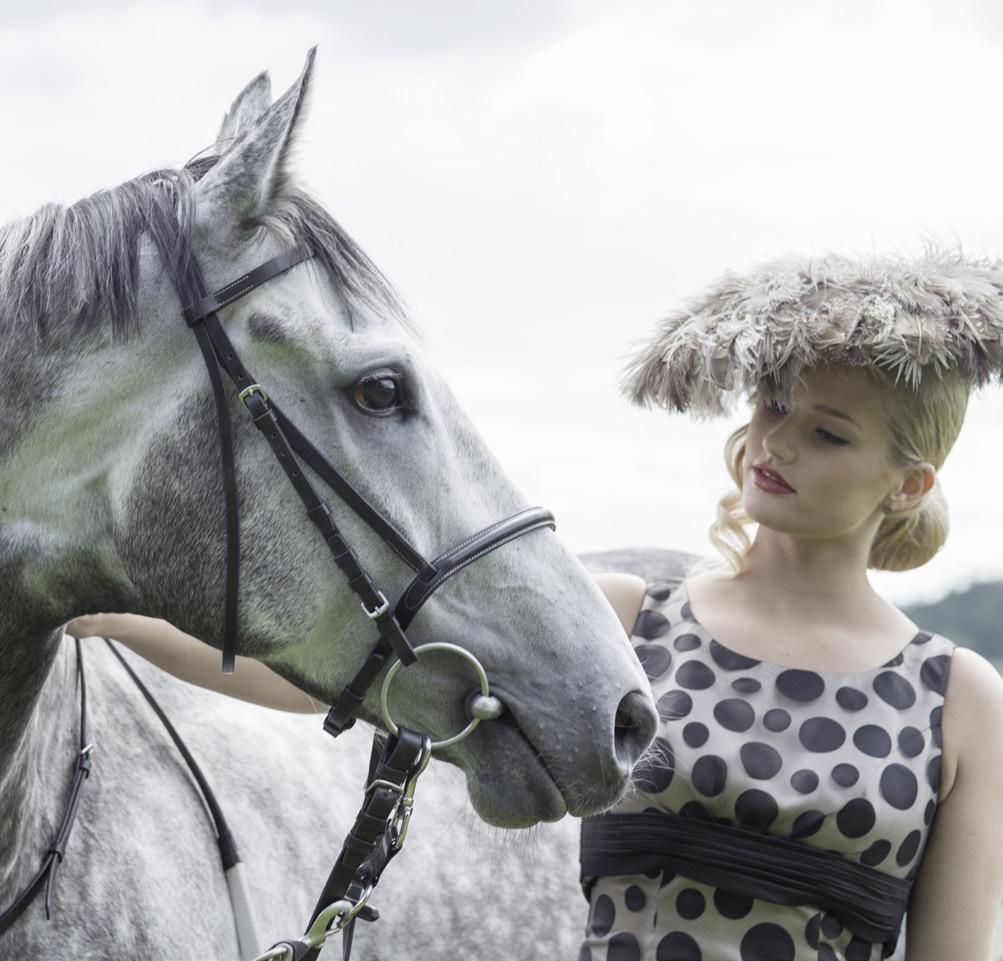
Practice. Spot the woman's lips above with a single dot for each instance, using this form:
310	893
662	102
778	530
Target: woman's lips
767	483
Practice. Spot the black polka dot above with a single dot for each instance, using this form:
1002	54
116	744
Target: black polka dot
804	781
806	824
934	672
695	675
845	775
731	904
832	927
896	660
730	660
709	775
929	811
694	809
678	946
811	930
821	734
674	704
872	740
855	818
933	773
894	689
850	699
922	637
857	949
760	760
585	953
667	878
623	947
756	809
653	773
634	898
776	719
603	915
898	786
690	904
687	642
655	872
766	942
908	848
734	714
875	853
659	590
800	685
911	741
825	953
935	729
650	624
654	658
695	734
746	685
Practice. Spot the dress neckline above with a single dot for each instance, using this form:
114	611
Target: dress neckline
897	658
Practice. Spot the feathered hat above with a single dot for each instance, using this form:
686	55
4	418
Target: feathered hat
758	330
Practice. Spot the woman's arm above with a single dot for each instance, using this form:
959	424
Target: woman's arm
194	661
625	593
957	893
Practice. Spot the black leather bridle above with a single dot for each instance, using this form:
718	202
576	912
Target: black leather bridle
397	760
286	442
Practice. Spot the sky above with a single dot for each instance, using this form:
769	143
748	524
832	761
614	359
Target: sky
542	181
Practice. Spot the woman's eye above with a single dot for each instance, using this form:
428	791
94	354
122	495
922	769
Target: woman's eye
378	394
832	438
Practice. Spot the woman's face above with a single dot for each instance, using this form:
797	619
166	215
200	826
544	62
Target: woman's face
837	465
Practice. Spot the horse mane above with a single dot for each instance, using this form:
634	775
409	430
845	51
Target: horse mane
65	268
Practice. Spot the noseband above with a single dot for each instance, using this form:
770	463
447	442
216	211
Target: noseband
287	442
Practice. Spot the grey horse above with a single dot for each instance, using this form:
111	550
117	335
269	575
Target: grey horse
111	500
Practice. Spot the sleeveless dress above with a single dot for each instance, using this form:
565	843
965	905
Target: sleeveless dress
845	761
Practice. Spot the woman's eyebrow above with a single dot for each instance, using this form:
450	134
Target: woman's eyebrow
837	413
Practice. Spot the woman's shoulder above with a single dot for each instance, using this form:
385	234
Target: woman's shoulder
625	593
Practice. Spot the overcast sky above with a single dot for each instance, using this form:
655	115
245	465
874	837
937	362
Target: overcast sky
543	180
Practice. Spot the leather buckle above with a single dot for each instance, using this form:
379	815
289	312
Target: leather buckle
379	611
254	388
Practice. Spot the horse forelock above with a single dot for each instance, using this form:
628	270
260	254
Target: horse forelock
67	270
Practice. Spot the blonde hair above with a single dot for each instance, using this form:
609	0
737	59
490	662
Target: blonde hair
923	426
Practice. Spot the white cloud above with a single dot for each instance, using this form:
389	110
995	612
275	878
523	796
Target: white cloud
543	183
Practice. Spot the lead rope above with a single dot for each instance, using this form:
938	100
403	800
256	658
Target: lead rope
396	762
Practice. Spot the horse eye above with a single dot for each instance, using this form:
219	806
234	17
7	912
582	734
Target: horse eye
379	394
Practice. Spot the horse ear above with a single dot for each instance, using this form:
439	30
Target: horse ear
250	104
244	180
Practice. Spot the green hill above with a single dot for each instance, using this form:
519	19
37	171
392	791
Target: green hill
972	618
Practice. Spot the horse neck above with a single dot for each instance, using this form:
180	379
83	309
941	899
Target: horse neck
39	740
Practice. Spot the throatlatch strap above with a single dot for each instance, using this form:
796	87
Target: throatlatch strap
869	902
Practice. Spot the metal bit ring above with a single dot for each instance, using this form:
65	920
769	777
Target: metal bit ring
484	697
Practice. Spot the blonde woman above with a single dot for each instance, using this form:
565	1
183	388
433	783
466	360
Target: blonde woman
824	766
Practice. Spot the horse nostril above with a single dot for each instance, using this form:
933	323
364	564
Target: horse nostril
634	726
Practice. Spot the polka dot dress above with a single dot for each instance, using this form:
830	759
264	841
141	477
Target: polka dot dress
847	762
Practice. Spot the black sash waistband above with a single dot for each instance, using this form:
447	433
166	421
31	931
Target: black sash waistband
869	902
